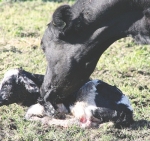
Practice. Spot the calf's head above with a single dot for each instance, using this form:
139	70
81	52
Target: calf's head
18	86
7	87
78	35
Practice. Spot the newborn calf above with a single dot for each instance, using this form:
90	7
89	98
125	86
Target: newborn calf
20	86
96	102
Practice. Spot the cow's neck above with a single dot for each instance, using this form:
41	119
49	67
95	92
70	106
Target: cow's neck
108	30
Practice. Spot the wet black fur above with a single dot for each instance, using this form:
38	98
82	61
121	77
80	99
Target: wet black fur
23	88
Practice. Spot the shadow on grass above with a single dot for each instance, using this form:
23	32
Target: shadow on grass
139	125
12	49
137	131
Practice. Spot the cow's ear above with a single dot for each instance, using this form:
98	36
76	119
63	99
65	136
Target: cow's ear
147	13
62	17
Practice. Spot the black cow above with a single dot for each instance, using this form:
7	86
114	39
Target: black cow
79	34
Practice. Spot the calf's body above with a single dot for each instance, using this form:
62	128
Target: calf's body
96	102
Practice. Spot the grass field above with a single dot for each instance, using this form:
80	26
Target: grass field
124	64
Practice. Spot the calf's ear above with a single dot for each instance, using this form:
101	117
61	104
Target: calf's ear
28	84
62	17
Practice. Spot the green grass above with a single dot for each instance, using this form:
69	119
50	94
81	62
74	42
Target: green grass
124	64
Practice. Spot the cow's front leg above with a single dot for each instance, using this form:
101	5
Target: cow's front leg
53	112
52	109
47	97
49	109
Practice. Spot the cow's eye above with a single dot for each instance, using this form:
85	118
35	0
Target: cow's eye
60	26
63	25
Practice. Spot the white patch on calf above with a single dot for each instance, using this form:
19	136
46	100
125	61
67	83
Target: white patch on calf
89	110
11	72
34	112
82	109
78	110
8	75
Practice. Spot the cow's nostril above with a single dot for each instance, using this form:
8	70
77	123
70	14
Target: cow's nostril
3	101
3	98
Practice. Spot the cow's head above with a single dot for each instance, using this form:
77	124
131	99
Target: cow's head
78	35
69	66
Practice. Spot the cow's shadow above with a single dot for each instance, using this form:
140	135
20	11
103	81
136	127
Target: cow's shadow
140	124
